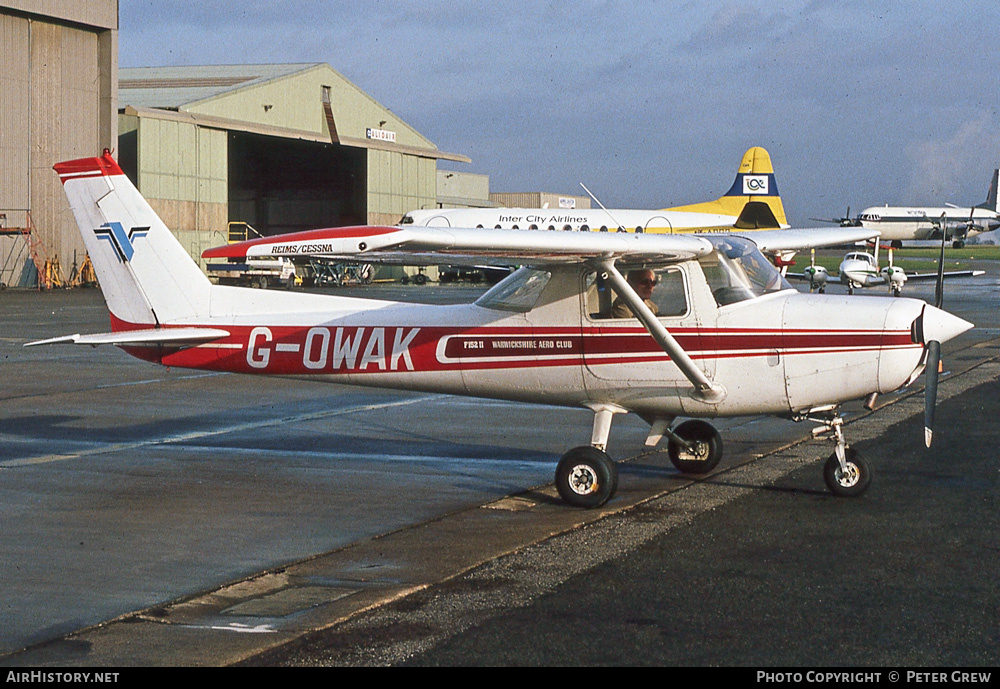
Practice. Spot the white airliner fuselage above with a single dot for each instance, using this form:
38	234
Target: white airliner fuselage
600	220
902	223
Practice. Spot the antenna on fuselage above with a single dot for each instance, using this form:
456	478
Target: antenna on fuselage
621	228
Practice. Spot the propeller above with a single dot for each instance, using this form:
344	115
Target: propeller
933	347
930	388
846	221
939	285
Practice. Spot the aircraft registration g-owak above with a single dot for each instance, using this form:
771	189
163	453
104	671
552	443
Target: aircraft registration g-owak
722	334
752	203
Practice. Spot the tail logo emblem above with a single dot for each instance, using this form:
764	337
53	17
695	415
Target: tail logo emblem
754	184
121	240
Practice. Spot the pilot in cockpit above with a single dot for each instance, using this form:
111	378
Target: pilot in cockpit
643	282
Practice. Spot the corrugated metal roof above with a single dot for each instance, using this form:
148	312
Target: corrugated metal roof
175	87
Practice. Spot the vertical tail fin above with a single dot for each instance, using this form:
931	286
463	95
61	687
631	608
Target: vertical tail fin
146	275
991	195
753	199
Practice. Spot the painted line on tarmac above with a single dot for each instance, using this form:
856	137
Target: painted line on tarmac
478	461
516	579
195	435
107	386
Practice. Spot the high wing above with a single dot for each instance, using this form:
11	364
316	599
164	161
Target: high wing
435	245
776	241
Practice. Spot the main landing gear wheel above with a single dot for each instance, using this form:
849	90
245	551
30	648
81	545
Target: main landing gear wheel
705	451
852	482
586	477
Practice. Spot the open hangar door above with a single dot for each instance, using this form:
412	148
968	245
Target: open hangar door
285	185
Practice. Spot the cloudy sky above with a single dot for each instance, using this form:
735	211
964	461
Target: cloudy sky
650	104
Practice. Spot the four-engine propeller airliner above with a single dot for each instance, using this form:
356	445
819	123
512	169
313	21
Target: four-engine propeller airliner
896	224
721	333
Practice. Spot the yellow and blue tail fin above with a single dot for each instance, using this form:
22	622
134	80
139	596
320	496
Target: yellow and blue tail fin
753	198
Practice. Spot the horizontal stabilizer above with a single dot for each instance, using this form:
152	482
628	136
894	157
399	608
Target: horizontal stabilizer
174	337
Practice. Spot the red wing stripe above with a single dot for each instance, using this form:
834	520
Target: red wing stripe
240	249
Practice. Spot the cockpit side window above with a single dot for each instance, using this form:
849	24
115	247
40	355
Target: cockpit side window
669	298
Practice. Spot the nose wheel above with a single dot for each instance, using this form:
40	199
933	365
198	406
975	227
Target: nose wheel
847	479
846	473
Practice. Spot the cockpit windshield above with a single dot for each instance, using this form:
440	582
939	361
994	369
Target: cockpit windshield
737	271
861	256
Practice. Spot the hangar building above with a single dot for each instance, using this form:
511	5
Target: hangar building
58	77
282	147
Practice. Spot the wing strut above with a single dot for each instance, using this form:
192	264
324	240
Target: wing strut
704	389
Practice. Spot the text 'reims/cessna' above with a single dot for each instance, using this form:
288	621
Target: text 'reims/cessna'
719	334
751	208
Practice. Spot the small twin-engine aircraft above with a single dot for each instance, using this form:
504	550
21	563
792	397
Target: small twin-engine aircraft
752	203
661	326
896	224
860	269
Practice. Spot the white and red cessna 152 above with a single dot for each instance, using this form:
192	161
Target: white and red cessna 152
721	334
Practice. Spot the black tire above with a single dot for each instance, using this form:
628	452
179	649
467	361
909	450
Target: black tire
586	477
419	279
852	484
705	454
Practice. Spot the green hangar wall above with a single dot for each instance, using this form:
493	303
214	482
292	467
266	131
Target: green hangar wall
281	147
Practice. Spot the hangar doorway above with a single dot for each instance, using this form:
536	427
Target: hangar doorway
285	185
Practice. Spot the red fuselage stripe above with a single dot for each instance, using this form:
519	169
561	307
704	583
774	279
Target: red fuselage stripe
329	349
